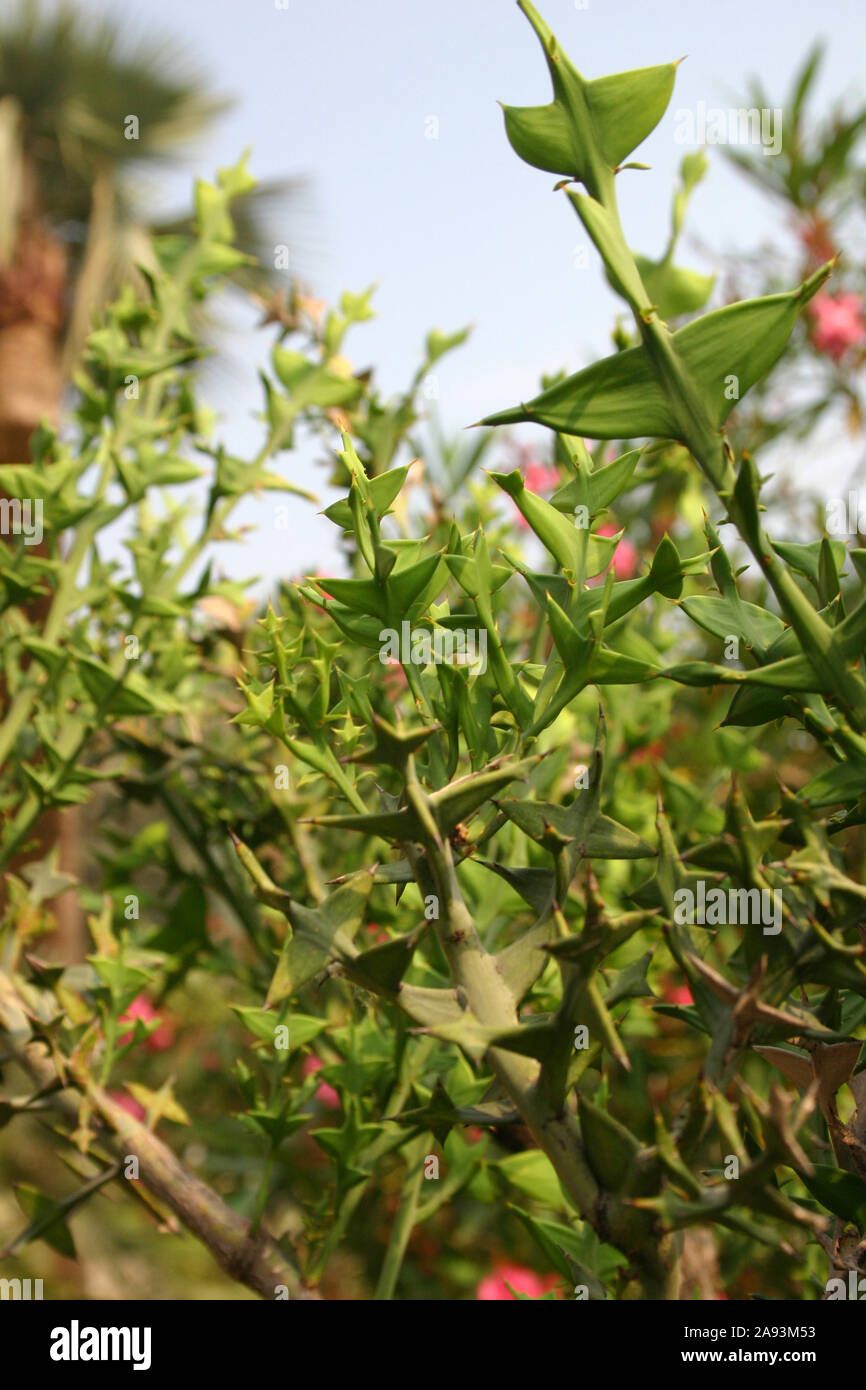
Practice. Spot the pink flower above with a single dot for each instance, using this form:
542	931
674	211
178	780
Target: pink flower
325	1094
161	1037
625	557
492	1288
838	323
380	936
128	1103
539	478
678	994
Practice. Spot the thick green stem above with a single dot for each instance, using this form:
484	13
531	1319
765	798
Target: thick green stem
708	446
477	978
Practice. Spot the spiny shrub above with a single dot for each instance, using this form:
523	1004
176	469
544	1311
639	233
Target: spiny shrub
516	860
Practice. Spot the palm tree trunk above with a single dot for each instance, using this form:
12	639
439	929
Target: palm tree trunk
32	315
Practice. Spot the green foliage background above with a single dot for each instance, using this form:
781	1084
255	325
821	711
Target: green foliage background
430	877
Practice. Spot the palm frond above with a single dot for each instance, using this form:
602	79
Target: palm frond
77	83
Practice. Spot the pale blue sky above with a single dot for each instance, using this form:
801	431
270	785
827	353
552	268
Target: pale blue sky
458	230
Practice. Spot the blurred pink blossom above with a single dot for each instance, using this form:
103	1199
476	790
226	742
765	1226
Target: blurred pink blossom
492	1287
539	477
127	1103
161	1037
678	994
838	323
325	1094
625	557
